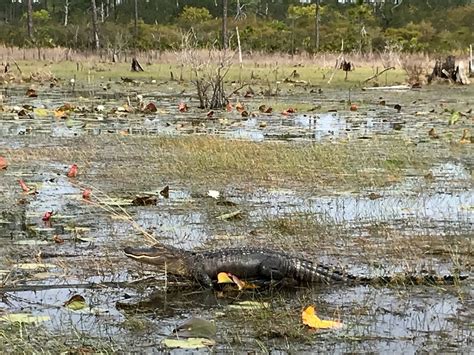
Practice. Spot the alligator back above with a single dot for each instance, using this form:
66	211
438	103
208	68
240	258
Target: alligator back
259	263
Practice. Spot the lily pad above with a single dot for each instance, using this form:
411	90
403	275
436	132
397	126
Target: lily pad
196	328
231	215
31	242
35	266
249	305
23	318
188	343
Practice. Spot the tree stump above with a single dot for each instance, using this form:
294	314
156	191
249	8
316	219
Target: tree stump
448	70
136	65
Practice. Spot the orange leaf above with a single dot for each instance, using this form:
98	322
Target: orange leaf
228	278
354	107
3	163
182	107
57	239
239	107
59	113
312	320
86	194
72	171
228	107
23	186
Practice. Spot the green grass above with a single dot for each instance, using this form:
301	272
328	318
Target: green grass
212	162
99	72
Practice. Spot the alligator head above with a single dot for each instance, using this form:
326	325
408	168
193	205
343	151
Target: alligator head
168	259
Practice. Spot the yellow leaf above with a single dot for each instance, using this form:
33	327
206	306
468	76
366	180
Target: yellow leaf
40	112
23	318
76	303
223	278
312	320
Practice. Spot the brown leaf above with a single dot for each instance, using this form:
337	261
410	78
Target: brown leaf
239	107
165	192
210	114
354	107
150	108
145	200
31	93
58	239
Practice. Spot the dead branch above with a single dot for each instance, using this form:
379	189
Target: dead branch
378	74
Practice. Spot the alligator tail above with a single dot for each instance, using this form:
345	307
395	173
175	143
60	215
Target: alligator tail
309	272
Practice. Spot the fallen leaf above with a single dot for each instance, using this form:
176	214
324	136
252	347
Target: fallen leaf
60	114
432	133
213	193
34	266
47	216
165	192
188	343
310	319
3	163
227	277
231	215
58	239
23	186
354	107
196	328
23	318
455	117
182	107
86	194
150	108
31	242
31	93
239	107
145	200
224	278
75	303
210	114
72	173
249	305
40	112
228	107
465	137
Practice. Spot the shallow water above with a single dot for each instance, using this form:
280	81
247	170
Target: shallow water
437	211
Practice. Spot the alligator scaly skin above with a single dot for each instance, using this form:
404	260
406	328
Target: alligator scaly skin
264	264
260	264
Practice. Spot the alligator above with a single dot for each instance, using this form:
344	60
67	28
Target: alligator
259	265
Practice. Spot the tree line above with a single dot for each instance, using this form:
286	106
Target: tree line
292	26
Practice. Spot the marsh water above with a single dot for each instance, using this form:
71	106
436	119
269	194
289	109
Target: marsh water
424	220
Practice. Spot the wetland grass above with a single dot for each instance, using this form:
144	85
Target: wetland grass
212	162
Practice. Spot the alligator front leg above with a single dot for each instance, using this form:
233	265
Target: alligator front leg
203	279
